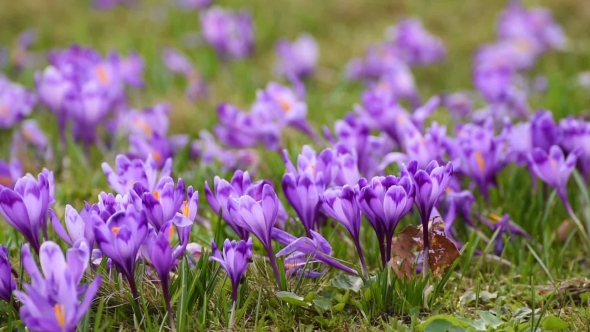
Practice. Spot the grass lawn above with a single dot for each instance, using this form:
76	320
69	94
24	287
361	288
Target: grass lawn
536	283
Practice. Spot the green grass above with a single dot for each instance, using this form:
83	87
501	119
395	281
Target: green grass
542	278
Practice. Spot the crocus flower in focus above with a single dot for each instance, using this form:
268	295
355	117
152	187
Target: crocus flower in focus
120	239
25	207
239	185
129	172
16	103
384	201
258	218
162	204
340	204
230	33
554	169
316	247
10	172
51	302
430	184
234	260
78	225
298	58
7	284
303	192
164	256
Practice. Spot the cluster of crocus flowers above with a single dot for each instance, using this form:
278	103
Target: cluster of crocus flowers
230	33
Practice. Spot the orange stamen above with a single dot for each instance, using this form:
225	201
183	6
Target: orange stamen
170	233
143	126
103	77
185	209
285	105
5	180
157	195
157	156
60	314
479	161
115	230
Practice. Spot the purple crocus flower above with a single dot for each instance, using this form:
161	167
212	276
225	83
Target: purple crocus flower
180	64
554	169
298	58
120	239
503	225
430	184
230	33
384	201
78	225
316	247
258	218
544	131
52	88
16	103
10	172
7	284
164	256
129	172
160	148
303	192
460	104
30	134
208	151
25	207
162	204
131	70
234	260
457	202
575	134
51	301
340	204
416	45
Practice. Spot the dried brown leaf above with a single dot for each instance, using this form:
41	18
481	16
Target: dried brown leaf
404	247
442	254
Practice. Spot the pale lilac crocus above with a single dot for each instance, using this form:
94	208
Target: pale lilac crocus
340	204
16	103
258	218
10	172
55	300
129	172
78	225
416	45
230	33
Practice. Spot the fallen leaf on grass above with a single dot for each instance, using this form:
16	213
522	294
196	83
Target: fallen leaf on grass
441	254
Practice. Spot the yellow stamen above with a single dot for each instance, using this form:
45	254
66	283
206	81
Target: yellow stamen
60	314
157	156
157	195
495	218
103	77
5	180
115	230
479	161
185	208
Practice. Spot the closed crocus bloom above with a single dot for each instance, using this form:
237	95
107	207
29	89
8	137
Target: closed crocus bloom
554	169
131	70
259	218
430	184
544	131
25	207
129	172
7	284
120	239
384	201
239	185
303	192
298	58
340	204
234	260
52	88
147	122
78	225
162	204
575	133
54	301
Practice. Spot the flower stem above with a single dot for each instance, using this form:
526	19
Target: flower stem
167	299
273	263
232	316
133	287
357	243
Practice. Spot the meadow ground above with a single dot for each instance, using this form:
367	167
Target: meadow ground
543	280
